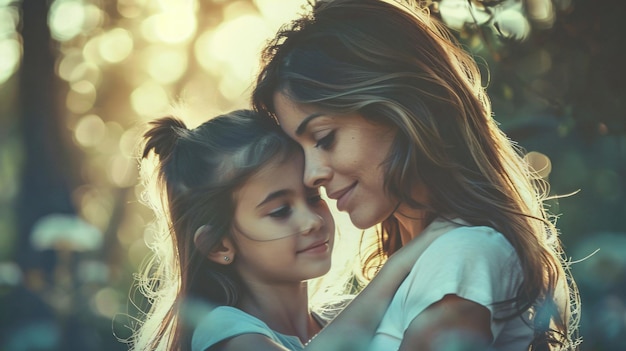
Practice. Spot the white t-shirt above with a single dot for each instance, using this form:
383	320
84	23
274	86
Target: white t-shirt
475	263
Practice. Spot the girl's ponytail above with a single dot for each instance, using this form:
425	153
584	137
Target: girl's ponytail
163	137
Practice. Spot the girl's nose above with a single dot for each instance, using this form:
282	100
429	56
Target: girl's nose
311	222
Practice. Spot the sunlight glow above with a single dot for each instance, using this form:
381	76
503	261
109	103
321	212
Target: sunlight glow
131	8
199	107
90	130
149	99
81	97
68	64
170	27
122	171
112	138
129	141
69	18
278	12
115	45
233	89
165	65
66	19
86	71
238	43
231	51
9	58
91	51
9	19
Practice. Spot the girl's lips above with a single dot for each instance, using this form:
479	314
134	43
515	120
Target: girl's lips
315	248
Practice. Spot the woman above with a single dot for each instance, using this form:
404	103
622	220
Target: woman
395	124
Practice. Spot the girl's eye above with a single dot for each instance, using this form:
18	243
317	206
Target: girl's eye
281	212
326	141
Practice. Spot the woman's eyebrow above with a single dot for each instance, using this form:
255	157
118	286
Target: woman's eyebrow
302	127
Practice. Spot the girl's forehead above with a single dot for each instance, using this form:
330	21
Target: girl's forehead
278	173
280	167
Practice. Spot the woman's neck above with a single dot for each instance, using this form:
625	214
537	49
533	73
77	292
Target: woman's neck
283	308
411	221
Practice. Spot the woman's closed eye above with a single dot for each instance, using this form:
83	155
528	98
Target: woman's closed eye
326	141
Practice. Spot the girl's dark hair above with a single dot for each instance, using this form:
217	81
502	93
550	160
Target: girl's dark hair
395	65
195	175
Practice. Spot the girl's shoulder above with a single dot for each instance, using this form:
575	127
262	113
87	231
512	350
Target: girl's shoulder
224	322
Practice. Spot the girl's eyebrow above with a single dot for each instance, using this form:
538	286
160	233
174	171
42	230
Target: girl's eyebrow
302	127
274	195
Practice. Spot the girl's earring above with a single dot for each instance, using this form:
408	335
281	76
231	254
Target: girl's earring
226	258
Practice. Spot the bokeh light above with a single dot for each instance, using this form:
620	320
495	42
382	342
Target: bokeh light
150	99
81	97
90	130
174	26
66	19
115	45
106	302
70	18
540	163
164	64
10	56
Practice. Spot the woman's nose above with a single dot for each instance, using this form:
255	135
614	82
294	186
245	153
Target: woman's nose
316	172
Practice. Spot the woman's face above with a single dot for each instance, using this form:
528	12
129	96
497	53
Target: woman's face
344	154
284	231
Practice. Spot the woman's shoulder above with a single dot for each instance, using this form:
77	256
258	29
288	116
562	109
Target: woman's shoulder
459	235
476	263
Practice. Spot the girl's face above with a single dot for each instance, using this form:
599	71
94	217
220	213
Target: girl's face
283	230
343	153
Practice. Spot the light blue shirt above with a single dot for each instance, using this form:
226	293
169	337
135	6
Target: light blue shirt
225	322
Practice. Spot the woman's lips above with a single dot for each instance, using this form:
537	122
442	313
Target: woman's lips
342	196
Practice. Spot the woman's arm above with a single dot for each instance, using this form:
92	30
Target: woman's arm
354	327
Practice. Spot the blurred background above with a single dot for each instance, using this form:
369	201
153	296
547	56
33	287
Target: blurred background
80	78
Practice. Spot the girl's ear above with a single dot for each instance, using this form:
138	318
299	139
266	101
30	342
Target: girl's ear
221	253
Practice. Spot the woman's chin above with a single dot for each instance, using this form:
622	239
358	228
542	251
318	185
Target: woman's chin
360	222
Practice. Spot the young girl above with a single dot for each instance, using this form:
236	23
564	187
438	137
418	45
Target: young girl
395	125
243	235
